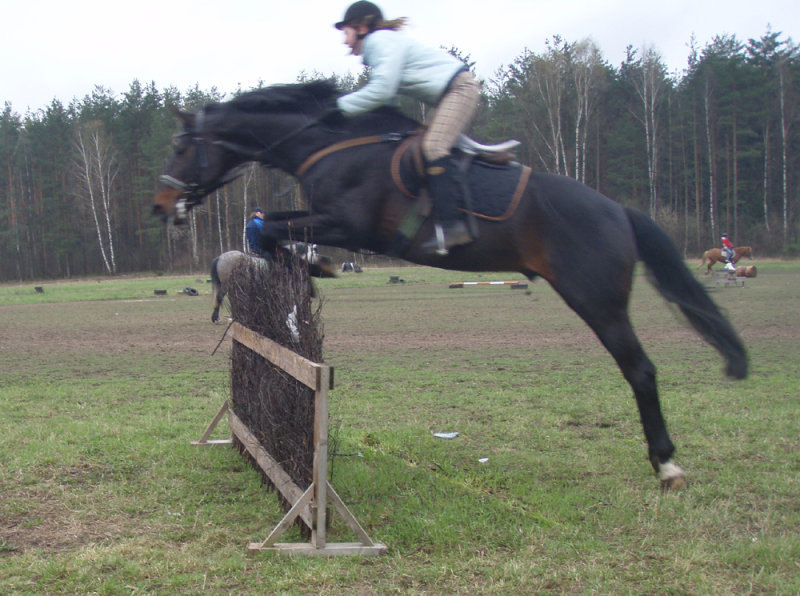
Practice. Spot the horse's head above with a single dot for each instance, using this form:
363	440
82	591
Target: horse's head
278	126
201	163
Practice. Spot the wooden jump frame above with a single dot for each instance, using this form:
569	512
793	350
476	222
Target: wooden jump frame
310	505
727	278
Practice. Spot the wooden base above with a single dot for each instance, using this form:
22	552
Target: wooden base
332	549
203	440
212	442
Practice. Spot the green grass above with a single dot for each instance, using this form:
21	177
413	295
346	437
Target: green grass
101	392
101	288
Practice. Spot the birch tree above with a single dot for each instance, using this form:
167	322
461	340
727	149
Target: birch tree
549	78
649	80
536	87
587	71
785	123
96	168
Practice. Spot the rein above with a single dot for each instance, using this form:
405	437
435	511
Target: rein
357	142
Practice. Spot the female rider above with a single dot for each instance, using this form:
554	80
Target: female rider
401	66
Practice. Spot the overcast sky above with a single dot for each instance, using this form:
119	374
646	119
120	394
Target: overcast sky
61	49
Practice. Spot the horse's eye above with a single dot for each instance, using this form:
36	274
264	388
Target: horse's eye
178	143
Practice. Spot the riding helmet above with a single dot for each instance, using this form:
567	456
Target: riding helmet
359	11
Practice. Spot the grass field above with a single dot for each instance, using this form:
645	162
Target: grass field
103	385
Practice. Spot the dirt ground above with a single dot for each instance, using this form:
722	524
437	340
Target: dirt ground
484	320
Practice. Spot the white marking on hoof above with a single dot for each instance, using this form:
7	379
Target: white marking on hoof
672	476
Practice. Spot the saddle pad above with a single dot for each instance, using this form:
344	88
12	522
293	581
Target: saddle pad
492	186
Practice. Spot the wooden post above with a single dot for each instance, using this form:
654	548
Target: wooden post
203	440
310	505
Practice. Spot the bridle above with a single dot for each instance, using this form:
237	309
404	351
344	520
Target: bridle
192	193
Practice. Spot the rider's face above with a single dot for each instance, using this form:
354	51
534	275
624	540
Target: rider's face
351	39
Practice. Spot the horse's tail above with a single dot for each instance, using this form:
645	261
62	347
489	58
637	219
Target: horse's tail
677	284
216	289
703	262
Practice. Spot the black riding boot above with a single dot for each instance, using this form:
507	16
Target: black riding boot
444	185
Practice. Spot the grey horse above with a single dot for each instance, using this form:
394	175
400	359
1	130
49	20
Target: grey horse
223	266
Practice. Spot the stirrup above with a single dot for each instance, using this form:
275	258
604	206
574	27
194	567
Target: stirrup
441	247
445	237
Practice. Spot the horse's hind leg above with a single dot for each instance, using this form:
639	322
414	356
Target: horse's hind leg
219	296
607	315
618	337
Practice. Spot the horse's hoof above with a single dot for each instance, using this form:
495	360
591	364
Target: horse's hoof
672	477
676	483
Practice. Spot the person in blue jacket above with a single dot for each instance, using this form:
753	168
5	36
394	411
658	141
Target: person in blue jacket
400	65
253	232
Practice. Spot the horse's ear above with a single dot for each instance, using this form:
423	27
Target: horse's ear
185	117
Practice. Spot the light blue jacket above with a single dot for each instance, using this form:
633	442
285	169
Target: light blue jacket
400	65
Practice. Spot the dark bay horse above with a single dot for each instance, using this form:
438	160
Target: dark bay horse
714	256
584	244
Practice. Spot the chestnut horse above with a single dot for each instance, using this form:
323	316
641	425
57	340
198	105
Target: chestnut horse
584	244
714	256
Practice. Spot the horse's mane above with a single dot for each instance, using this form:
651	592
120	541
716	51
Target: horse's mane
311	98
301	97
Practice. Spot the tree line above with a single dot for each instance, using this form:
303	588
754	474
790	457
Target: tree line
709	150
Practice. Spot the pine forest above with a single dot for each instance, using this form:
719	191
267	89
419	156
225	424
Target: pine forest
713	149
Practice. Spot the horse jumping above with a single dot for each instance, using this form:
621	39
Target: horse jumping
714	256
348	174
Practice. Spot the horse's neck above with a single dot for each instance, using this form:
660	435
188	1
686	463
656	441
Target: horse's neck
270	139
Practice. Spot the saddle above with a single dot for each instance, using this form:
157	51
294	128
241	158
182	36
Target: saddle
493	180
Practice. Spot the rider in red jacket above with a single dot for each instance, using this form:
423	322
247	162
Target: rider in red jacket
727	252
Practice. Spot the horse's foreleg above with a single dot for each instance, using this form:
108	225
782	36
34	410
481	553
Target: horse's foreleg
317	228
